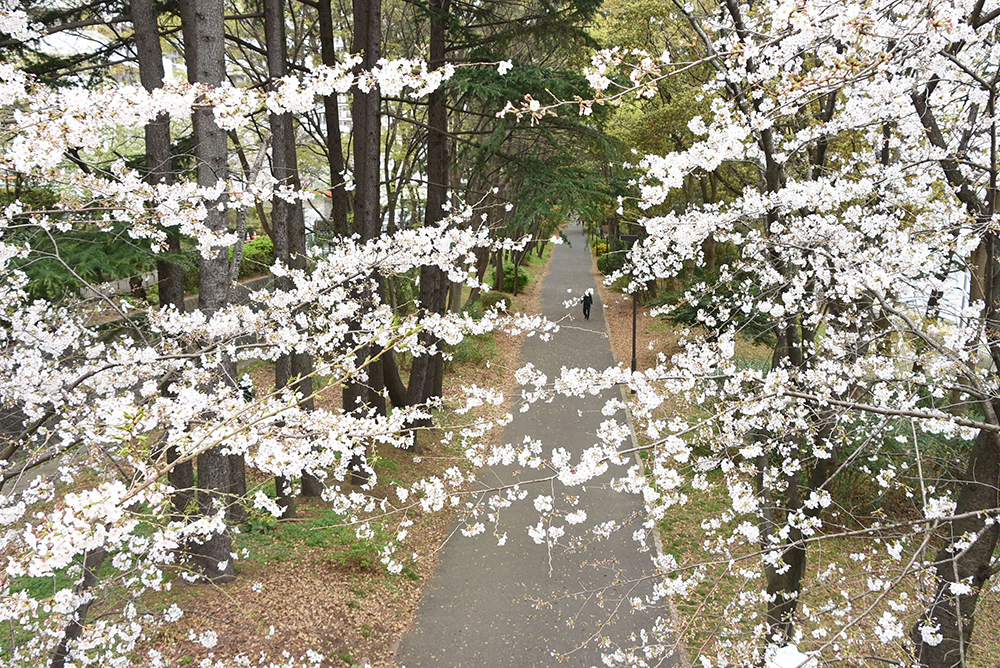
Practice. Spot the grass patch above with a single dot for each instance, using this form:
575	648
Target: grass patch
39	588
270	541
474	350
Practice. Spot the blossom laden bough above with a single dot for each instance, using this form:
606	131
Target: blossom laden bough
844	246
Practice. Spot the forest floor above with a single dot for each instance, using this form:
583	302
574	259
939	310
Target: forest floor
309	582
698	618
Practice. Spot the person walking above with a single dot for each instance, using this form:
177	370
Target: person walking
588	301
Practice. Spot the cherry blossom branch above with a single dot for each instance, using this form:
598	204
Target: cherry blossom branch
922	415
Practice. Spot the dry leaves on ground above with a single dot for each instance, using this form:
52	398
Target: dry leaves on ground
306	597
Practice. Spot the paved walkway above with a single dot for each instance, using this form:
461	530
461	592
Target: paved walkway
519	606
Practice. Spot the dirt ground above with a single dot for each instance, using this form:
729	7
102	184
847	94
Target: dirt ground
356	615
653	336
286	602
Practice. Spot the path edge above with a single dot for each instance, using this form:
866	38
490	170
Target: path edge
682	655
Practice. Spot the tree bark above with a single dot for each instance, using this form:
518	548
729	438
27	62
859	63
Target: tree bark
158	160
92	563
181	478
203	29
283	169
709	193
482	265
365	112
498	271
437	120
955	614
150	59
334	147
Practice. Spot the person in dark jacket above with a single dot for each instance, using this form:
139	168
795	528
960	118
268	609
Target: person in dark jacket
588	301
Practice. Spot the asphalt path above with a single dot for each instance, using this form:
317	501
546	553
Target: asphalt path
523	604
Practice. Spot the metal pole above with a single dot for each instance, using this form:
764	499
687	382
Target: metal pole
633	330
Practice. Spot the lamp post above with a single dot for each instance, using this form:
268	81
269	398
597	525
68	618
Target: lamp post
630	239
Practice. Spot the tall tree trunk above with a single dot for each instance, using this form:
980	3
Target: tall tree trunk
284	170
181	478
709	191
376	369
427	369
202	23
482	265
498	271
170	275
954	614
92	563
365	112
150	59
334	147
455	297
971	565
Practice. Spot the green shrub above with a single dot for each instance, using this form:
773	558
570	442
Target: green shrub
474	309
258	256
474	349
491	299
508	277
61	262
869	450
706	294
610	262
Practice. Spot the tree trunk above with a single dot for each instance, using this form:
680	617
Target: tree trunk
709	191
334	147
784	585
376	370
367	209
203	29
283	169
366	116
955	614
393	381
181	478
973	566
437	120
422	366
236	512
455	297
150	59
498	271
365	108
92	563
482	265
212	557
170	275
